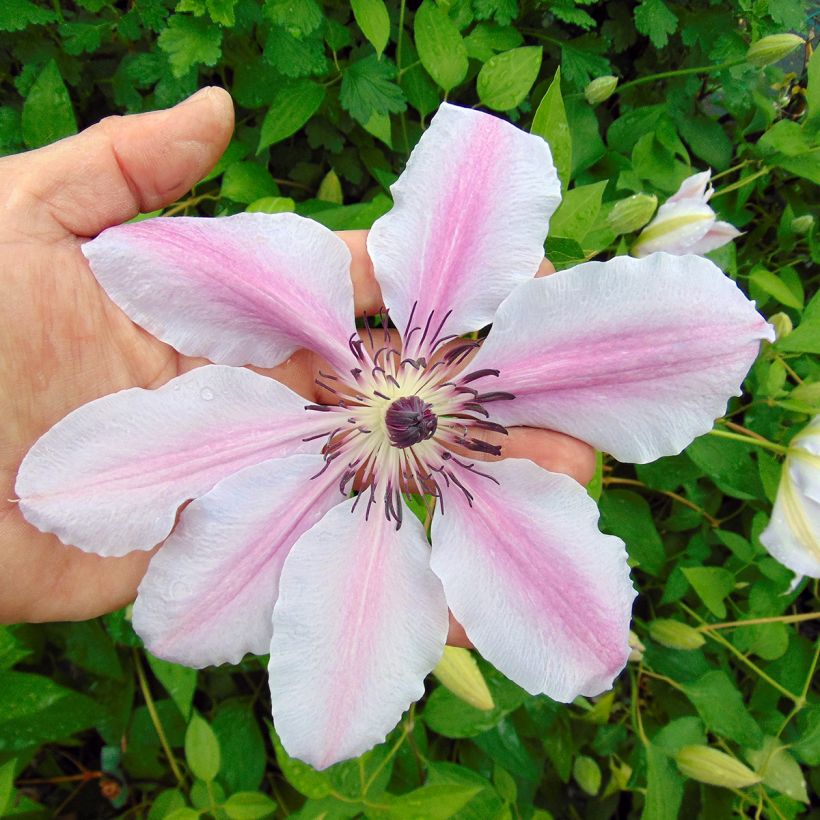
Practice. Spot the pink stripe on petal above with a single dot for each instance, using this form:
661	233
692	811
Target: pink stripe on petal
469	221
359	623
209	593
542	594
636	357
110	476
244	289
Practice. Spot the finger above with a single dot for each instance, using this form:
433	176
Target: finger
119	167
553	451
367	295
456	636
545	269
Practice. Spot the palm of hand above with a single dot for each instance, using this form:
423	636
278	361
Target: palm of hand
64	343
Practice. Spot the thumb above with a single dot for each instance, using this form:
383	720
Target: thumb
120	167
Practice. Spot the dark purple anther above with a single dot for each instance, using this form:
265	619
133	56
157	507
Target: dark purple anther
410	420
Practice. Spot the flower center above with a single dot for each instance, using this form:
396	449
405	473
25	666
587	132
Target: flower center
410	420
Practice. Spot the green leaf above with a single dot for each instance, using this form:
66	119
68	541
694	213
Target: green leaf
487	39
587	774
503	11
15	15
36	710
505	79
294	56
368	88
712	585
550	122
779	770
241	745
246	182
179	682
6	785
578	211
656	20
190	41
440	45
81	37
372	18
249	806
202	749
222	12
813	90
11	650
772	284
721	707
47	111
434	802
805	338
729	464
272	205
664	786
293	104
627	515
304	778
299	17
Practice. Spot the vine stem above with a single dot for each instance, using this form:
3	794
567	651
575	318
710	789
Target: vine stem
154	715
741	182
764	443
775	619
682	72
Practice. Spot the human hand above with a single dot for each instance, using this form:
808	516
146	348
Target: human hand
64	343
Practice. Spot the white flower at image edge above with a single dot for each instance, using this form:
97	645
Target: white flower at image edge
793	534
636	357
685	223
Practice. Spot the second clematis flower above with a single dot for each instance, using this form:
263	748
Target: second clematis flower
685	223
274	553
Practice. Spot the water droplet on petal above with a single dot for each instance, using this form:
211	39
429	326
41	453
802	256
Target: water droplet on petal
206	393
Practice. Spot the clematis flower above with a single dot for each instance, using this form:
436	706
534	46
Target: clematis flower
685	223
793	534
636	357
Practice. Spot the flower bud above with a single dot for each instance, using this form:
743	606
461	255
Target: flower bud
632	213
802	224
772	49
600	89
458	671
675	635
636	648
782	324
707	765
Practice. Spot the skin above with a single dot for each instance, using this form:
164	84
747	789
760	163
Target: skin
64	343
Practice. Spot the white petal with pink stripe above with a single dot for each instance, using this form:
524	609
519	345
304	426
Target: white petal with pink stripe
244	289
359	623
469	221
542	594
635	356
208	595
110	477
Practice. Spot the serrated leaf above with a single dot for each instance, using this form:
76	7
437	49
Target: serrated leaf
294	56
656	20
15	15
47	112
246	182
440	45
505	79
222	12
293	104
202	749
368	88
190	41
550	122
299	17
374	21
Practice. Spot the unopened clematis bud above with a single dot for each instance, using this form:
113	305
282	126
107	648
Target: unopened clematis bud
675	635
707	765
772	49
685	223
600	89
458	671
782	324
793	534
632	213
636	648
802	224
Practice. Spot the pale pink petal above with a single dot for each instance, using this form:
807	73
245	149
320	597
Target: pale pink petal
360	621
718	235
635	356
694	188
469	221
542	594
208	595
244	289
676	228
111	475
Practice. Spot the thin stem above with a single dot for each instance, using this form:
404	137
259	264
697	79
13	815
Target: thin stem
740	183
636	709
765	444
733	169
154	715
682	72
393	749
775	619
188	203
803	695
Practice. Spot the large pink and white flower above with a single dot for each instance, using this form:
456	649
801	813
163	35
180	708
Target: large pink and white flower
273	554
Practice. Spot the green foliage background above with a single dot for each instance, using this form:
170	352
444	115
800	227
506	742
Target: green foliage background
330	98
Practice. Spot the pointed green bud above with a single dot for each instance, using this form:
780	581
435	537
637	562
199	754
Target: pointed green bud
675	635
600	89
707	765
632	213
772	49
458	671
782	325
636	648
330	189
802	224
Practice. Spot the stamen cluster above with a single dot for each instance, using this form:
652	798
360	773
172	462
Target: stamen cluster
408	416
